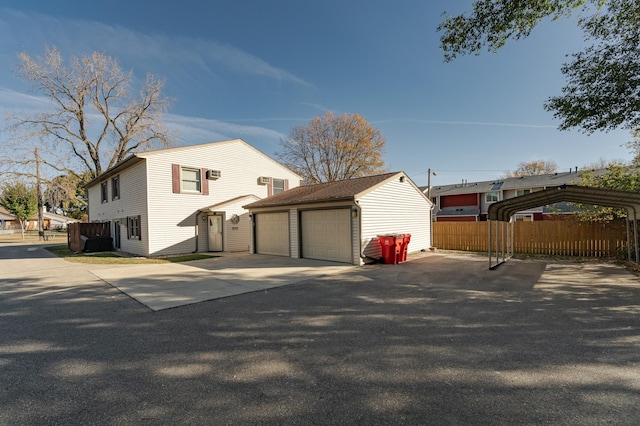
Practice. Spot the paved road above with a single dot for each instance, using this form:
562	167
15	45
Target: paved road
438	340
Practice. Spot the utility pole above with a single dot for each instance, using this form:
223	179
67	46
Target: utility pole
430	209
39	195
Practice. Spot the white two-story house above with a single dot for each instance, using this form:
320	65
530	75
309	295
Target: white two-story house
187	199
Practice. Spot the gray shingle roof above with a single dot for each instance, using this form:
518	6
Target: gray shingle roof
523	182
331	191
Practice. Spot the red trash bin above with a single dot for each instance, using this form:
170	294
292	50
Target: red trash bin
404	247
391	247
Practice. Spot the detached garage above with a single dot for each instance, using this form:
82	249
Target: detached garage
340	221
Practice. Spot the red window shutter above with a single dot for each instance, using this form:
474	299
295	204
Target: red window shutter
205	182
286	184
270	187
175	178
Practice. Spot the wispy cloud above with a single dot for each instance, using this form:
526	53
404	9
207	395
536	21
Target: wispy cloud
186	130
13	101
192	130
31	31
315	106
467	123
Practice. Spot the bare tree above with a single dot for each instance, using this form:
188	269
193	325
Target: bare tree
334	147
533	168
93	121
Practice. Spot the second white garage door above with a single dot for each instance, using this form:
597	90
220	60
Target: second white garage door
272	233
326	235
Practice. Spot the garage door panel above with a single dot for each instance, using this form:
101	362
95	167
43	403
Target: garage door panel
326	235
272	233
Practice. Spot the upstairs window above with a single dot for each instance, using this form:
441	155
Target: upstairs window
115	188
491	197
521	192
104	192
278	186
191	179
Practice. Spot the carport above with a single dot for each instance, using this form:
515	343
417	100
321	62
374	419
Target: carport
502	214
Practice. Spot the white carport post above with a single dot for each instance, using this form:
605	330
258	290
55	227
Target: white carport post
489	241
502	223
635	234
628	235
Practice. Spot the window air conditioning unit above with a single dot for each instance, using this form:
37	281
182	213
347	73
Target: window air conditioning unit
213	174
263	180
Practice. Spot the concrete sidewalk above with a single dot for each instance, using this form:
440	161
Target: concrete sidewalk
163	286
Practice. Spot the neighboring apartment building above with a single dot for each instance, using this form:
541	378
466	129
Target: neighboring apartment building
469	201
186	199
50	221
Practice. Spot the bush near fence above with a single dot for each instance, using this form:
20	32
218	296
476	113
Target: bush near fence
553	237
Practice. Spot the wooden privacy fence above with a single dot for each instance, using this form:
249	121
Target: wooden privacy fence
551	237
75	232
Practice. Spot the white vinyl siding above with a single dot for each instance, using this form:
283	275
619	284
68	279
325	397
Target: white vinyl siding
132	201
169	222
294	233
173	228
395	208
235	235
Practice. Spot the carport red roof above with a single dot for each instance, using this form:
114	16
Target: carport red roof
342	190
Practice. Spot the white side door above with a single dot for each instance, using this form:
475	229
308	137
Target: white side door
215	232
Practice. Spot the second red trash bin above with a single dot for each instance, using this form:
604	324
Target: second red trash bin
394	247
404	248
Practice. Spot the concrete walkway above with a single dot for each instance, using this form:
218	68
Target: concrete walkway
163	286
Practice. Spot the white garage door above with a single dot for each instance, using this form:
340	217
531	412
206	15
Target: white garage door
272	233
326	235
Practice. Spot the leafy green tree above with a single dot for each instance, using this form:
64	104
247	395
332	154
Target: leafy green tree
634	146
334	147
603	88
619	176
20	200
67	193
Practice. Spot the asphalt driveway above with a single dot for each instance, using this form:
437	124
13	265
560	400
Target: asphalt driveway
437	340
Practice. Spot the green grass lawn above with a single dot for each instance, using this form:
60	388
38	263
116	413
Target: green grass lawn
110	258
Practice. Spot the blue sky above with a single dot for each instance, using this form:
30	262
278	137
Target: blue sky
254	69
